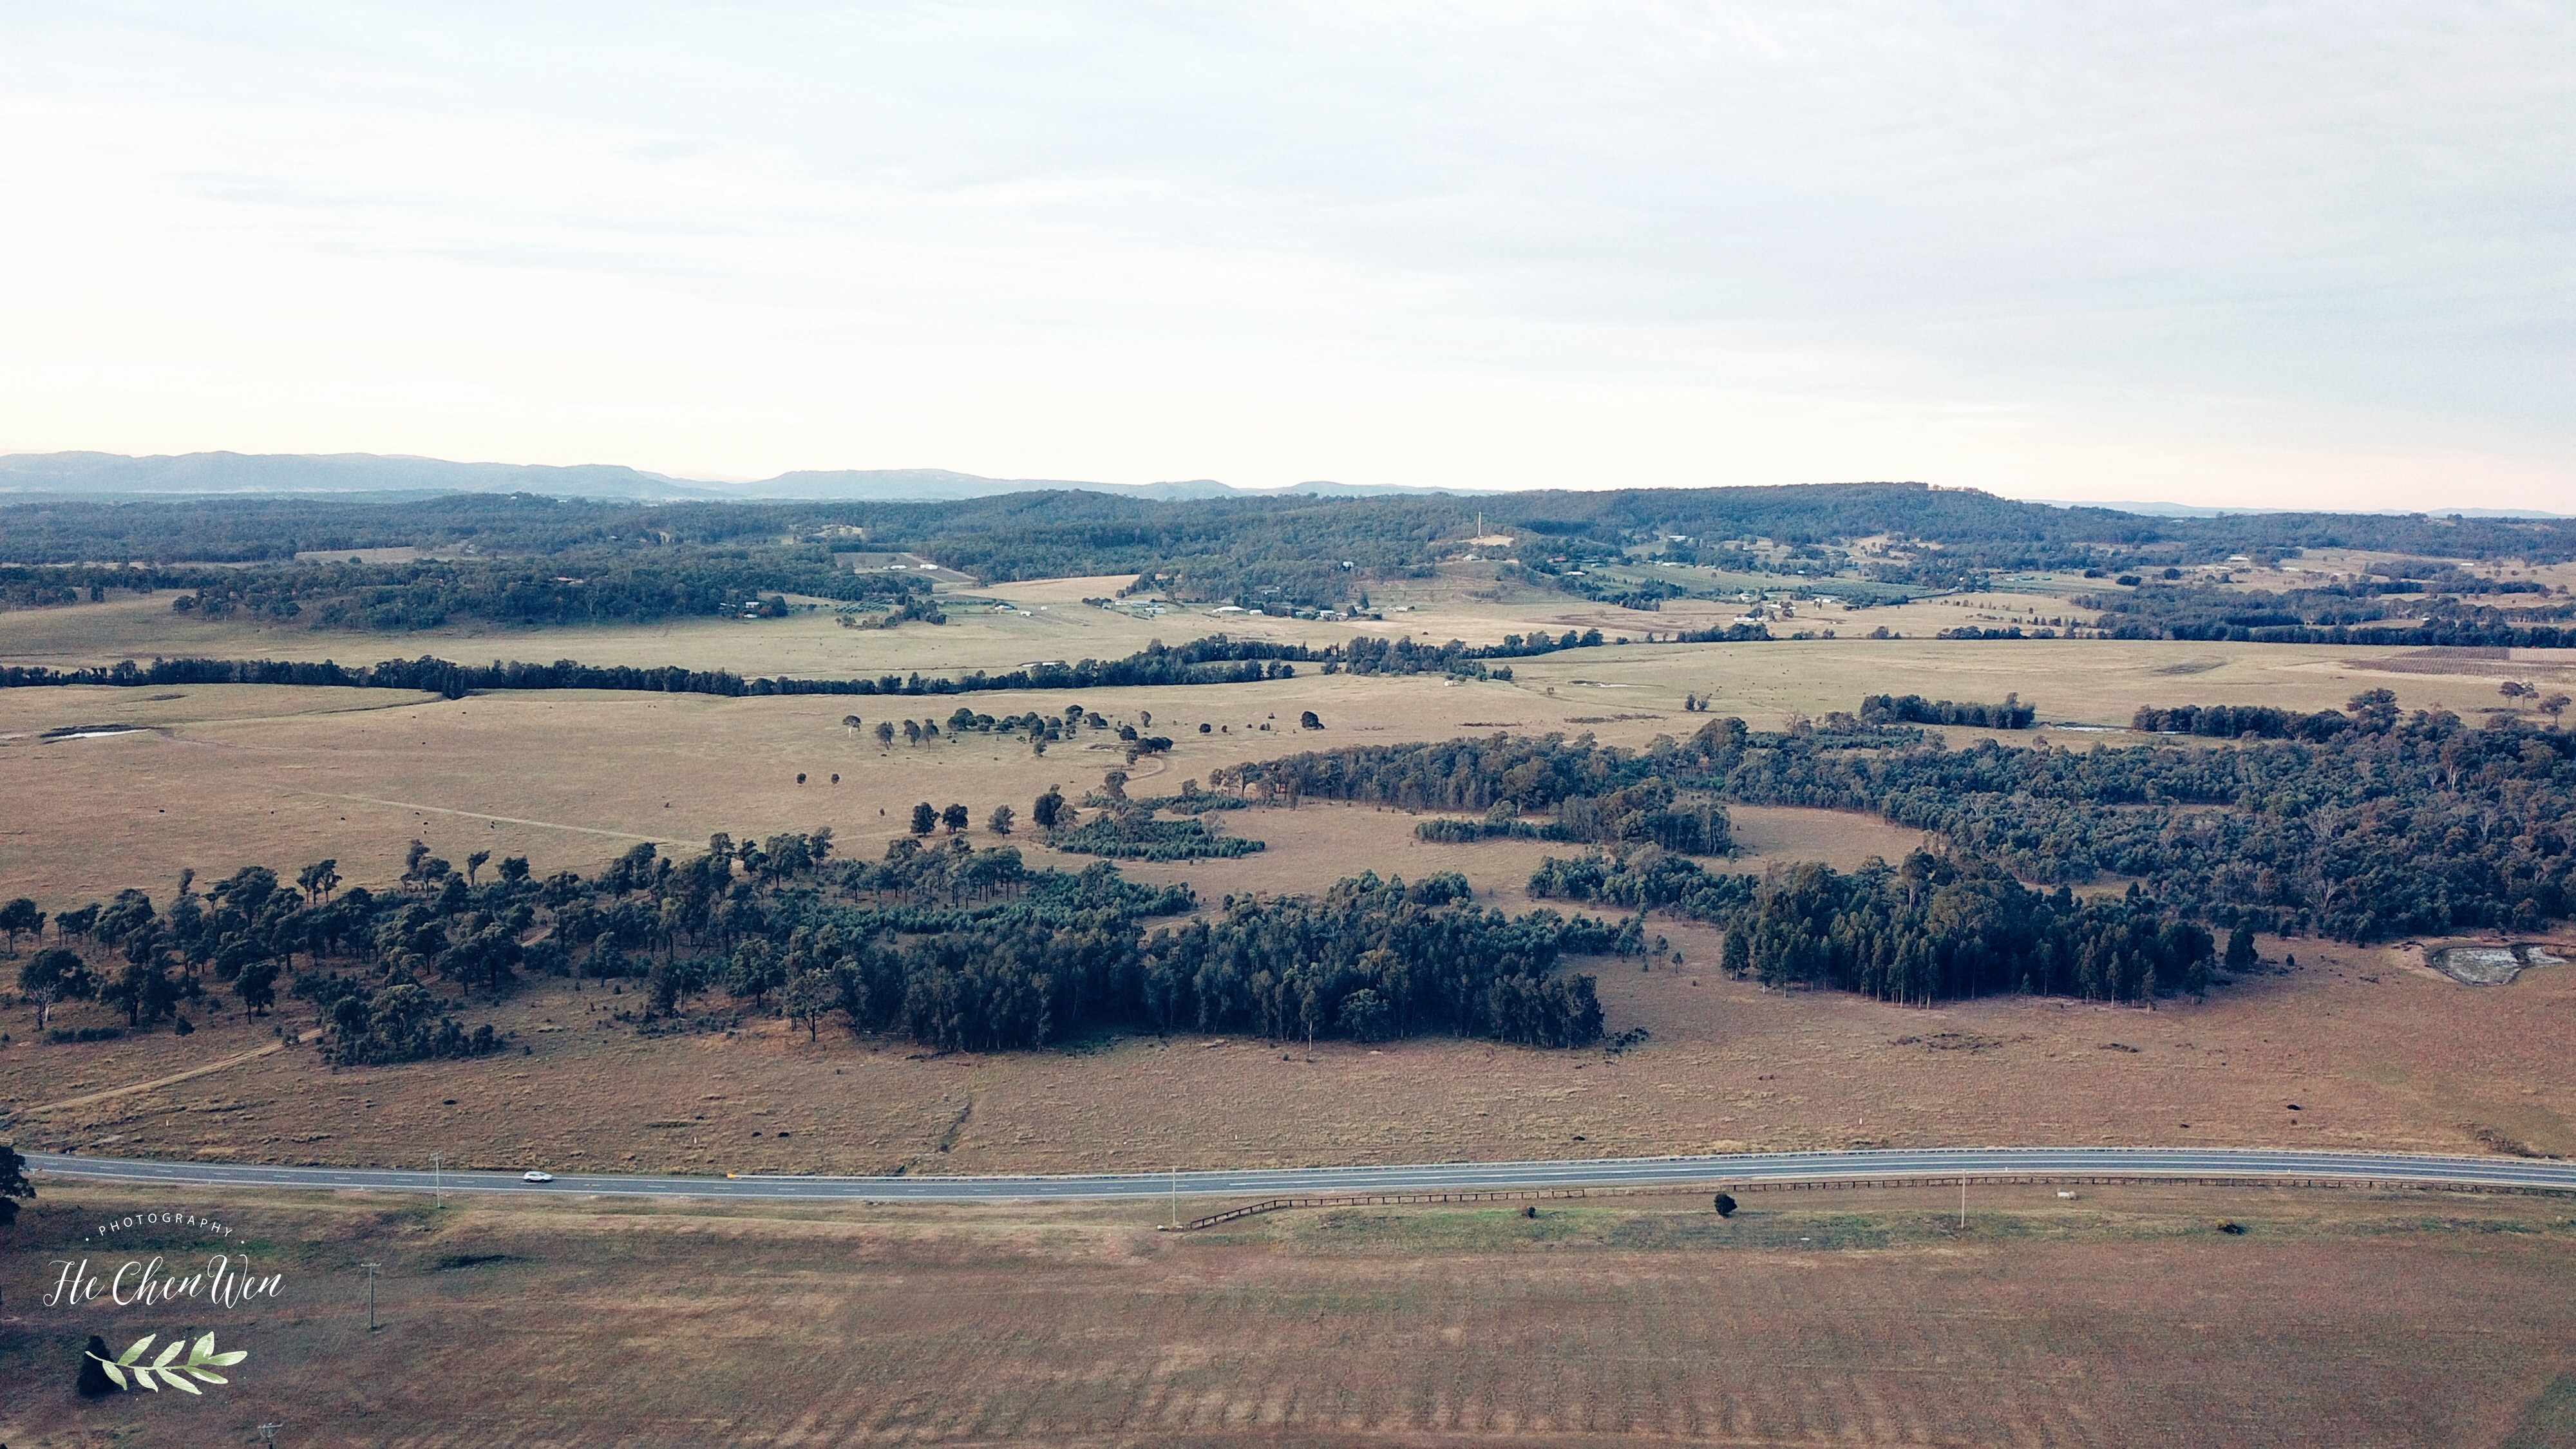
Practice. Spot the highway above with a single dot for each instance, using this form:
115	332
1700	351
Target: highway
1777	1167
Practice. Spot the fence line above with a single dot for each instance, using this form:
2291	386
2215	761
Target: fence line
1829	1184
1373	1199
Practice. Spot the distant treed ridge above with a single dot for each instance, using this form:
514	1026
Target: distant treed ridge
1299	549
1215	659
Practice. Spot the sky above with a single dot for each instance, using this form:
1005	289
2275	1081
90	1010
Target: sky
2258	254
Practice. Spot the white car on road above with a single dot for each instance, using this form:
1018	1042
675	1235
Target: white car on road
533	1175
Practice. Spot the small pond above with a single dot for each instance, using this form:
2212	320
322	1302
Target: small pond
2488	965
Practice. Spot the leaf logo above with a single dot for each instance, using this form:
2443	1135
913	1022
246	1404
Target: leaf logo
201	1362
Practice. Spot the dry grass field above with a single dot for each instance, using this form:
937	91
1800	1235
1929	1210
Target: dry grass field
2374	1050
224	775
1048	620
2124	1317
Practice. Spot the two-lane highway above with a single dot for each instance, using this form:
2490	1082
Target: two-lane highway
2145	1162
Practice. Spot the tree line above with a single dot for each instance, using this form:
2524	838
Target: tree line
1215	659
590	586
952	946
2239	721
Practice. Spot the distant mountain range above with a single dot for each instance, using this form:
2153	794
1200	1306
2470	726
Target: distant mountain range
199	474
115	475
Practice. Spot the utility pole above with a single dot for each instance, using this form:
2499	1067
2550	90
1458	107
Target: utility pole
437	1184
371	1294
1176	1197
1963	1202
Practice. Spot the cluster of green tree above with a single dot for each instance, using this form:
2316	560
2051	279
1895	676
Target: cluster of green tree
1191	801
1643	878
2394	825
13	1183
919	608
1474	774
381	1023
2012	714
586	586
1940	929
979	954
2239	721
1372	654
956	947
167	957
1372	960
24	586
2360	612
1558	573
1135	834
1592	792
2437	576
1647	812
1722	634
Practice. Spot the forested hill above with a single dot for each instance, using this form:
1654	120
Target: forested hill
1211	547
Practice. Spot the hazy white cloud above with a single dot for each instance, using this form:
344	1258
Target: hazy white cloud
2292	253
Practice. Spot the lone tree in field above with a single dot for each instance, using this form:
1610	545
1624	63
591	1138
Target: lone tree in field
1114	784
810	995
2554	706
52	975
956	818
20	917
999	822
851	723
13	1183
912	733
1309	721
2240	948
474	863
885	734
925	818
1047	809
